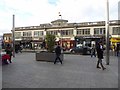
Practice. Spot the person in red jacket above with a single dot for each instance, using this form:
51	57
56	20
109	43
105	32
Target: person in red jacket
9	51
5	57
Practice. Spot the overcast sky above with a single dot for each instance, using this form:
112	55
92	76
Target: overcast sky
36	12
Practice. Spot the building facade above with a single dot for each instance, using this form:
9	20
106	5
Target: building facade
68	34
7	39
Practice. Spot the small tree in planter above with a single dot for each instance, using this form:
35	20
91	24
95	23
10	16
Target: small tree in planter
50	41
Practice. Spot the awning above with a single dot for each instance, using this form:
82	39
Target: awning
115	40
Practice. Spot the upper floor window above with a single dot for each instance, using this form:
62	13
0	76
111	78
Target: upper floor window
79	32
10	38
27	34
38	33
83	31
53	32
99	31
5	38
116	31
66	32
17	34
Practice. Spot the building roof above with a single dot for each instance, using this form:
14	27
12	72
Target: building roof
55	24
59	20
7	34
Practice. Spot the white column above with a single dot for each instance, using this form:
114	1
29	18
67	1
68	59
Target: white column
32	34
32	38
92	31
44	33
75	31
58	36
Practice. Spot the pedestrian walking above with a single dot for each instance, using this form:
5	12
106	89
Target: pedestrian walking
9	51
117	49
16	48
114	47
58	53
20	48
99	49
93	51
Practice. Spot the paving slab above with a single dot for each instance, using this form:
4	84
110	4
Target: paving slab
77	71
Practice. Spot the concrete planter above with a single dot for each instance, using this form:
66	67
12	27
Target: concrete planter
47	56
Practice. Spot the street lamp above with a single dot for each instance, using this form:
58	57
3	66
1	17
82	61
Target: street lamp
107	32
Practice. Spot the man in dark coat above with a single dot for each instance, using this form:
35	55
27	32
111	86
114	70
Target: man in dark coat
99	50
117	49
58	53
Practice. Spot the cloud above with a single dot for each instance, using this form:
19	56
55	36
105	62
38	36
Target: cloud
35	12
87	10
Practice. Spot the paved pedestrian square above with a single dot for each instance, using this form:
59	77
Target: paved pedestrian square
77	71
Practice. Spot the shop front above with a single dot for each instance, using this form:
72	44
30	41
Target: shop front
67	43
37	43
114	41
26	42
87	40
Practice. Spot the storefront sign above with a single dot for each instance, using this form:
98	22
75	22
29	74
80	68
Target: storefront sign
91	37
27	38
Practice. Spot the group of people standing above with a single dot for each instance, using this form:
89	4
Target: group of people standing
18	48
9	53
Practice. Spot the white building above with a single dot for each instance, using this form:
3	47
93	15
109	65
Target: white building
68	34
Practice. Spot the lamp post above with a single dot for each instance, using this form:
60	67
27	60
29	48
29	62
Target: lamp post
61	35
107	32
13	35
